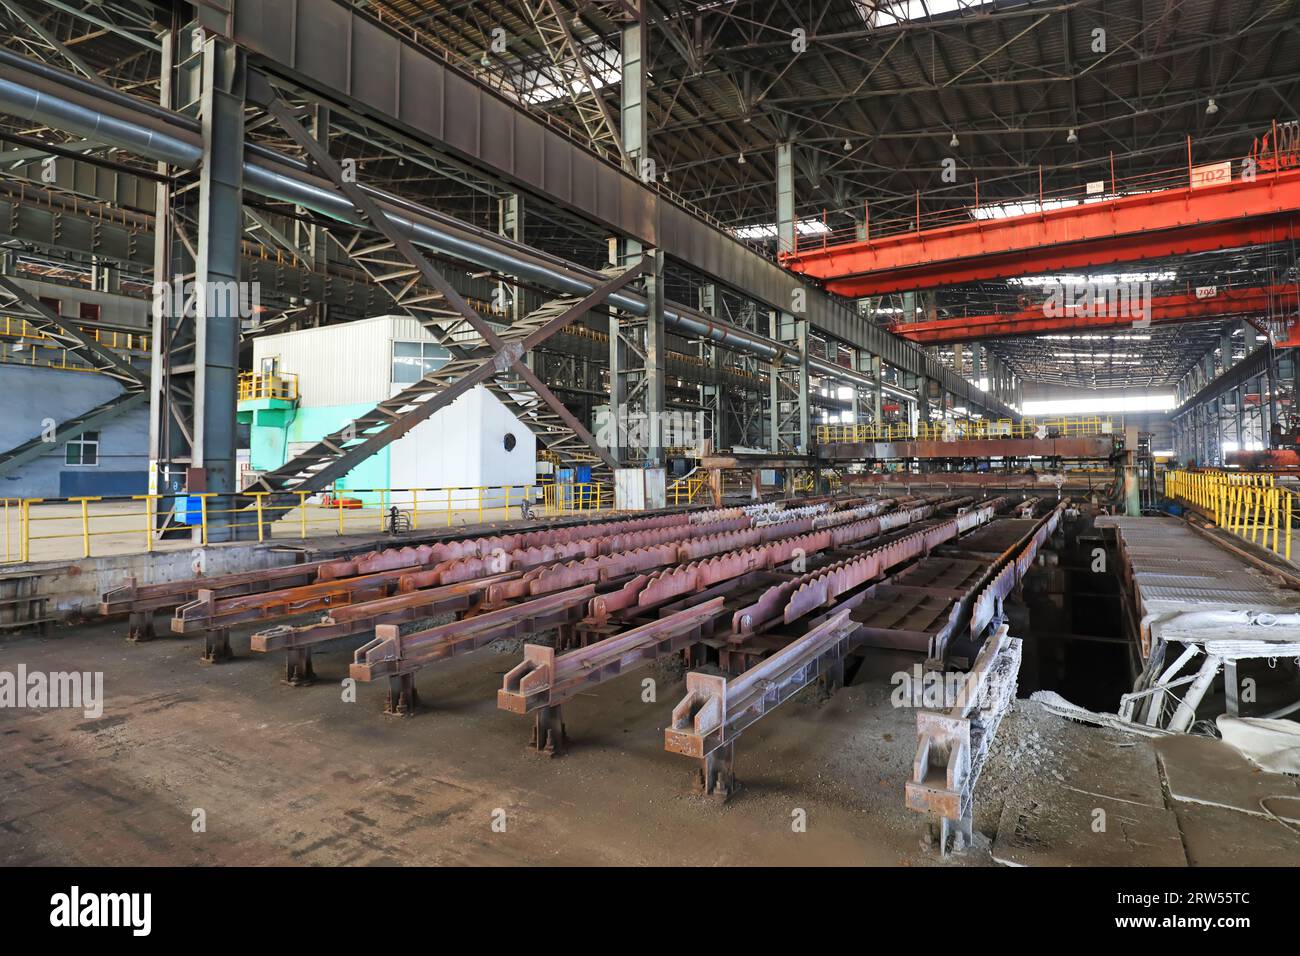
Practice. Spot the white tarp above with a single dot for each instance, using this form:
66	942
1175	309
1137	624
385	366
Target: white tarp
1269	744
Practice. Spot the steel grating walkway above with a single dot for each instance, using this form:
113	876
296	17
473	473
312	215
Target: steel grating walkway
1179	575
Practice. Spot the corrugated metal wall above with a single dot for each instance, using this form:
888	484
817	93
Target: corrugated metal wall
341	364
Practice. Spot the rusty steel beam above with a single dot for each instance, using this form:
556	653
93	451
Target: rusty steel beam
846	515
1095	448
953	743
919	608
987	607
140	601
137	599
560	580
398	656
610	567
356	619
716	711
377	574
543	681
926	607
789	601
645	592
538	556
208	612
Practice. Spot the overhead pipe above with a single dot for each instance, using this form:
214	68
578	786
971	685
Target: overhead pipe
52	97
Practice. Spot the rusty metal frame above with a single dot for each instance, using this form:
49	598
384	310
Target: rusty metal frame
716	711
543	681
987	607
398	656
363	618
953	744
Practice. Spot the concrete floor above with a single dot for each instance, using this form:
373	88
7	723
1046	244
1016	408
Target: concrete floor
289	775
295	775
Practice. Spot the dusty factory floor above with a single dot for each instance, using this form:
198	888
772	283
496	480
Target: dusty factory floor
297	776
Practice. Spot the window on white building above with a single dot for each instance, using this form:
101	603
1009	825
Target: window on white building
414	360
82	450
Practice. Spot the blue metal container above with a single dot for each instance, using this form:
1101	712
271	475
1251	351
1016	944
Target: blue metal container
189	510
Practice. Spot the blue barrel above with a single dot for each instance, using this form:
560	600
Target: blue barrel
189	510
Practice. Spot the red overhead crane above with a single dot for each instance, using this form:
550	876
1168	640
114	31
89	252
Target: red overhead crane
1200	306
1210	210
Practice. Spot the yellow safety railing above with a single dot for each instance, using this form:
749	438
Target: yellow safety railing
16	327
1204	489
564	497
37	529
268	385
1251	505
961	429
684	490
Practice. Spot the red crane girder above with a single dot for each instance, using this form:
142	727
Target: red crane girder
1124	229
1165	309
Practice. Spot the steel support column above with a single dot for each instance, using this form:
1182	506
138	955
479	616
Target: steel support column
790	417
716	426
196	346
655	356
221	226
637	353
785	224
510	223
633	127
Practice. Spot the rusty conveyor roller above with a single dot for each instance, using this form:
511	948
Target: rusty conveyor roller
791	600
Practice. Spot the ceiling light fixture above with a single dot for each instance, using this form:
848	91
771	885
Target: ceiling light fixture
847	146
1211	107
1072	138
954	142
741	158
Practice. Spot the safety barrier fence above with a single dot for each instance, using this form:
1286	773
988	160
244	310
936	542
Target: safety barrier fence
253	385
973	429
16	327
1248	504
685	490
39	529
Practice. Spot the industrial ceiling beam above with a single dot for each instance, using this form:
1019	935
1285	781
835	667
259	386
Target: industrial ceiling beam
1213	305
1143	226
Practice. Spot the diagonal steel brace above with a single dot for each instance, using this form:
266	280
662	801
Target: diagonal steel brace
260	91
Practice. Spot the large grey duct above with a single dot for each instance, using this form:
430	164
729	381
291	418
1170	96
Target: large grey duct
50	97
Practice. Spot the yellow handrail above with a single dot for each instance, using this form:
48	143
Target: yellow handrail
683	490
66	528
268	385
980	428
1250	505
